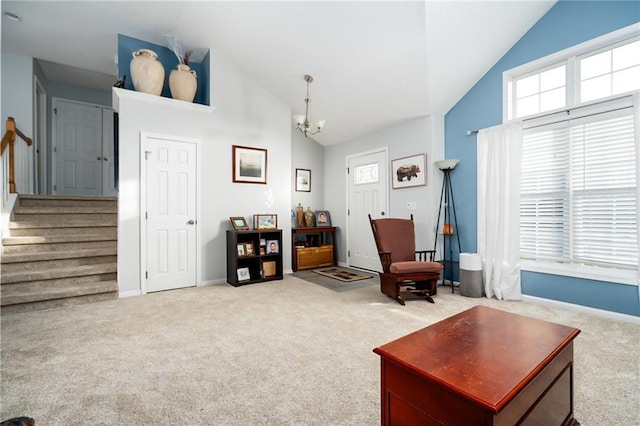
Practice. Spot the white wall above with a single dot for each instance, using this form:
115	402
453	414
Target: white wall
420	135
306	153
245	115
17	102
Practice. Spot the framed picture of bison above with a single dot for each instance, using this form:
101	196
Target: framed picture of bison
409	171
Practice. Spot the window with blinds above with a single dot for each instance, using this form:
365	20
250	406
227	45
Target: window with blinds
579	191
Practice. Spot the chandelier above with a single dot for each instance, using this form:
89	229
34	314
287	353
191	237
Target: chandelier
302	121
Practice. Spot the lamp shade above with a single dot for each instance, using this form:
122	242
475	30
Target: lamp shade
446	164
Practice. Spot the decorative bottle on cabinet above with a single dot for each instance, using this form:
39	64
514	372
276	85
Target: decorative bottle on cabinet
183	83
300	216
309	220
147	73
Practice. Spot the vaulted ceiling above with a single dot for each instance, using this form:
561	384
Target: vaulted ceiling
374	63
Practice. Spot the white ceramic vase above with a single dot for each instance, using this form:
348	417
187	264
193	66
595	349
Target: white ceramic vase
147	73
183	83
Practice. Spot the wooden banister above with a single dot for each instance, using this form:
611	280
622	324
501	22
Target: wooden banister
9	140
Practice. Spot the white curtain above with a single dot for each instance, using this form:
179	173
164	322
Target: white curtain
499	164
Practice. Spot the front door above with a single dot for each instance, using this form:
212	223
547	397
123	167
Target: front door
171	167
367	194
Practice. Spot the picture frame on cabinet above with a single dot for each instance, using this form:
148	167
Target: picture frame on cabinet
265	221
303	180
273	247
249	164
240	249
323	218
243	274
239	223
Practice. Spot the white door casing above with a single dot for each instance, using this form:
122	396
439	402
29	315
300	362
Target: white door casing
367	193
108	155
169	200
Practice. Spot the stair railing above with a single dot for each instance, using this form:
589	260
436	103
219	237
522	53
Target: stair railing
8	140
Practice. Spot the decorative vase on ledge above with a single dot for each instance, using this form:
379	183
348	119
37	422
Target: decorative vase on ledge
183	83
147	73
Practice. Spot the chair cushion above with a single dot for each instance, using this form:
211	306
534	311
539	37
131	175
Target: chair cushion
414	266
396	236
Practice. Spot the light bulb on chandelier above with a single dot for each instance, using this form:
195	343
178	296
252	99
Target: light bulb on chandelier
302	121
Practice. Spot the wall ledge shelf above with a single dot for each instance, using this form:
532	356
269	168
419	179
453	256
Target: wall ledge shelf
157	100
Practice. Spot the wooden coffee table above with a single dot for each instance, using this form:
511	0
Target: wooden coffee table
482	366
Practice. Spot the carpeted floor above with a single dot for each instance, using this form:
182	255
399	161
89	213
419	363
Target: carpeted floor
277	353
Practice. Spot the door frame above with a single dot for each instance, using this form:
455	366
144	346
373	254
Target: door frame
54	133
383	149
41	152
144	136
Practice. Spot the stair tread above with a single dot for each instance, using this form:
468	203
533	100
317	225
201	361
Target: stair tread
68	197
60	292
53	273
51	239
62	223
56	255
59	210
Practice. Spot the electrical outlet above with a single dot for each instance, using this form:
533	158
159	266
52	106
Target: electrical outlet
411	205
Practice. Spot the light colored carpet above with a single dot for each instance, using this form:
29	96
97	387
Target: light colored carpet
282	352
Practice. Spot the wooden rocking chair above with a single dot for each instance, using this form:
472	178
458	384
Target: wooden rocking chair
404	270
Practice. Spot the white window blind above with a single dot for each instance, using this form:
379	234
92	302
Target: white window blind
579	192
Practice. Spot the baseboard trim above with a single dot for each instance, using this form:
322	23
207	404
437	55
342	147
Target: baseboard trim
131	293
583	309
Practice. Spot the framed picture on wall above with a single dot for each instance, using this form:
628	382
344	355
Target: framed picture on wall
410	171
303	180
249	164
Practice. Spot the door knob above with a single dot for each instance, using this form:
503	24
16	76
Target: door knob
191	222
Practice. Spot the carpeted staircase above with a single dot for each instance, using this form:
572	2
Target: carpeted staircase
61	251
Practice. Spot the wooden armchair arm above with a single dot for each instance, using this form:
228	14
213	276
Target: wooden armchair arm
385	259
425	255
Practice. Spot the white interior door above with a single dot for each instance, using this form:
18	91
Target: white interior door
78	149
171	167
367	194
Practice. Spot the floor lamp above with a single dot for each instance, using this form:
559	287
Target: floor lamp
449	227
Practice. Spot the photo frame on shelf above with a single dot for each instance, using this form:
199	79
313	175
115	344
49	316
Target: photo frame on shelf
273	247
249	164
249	250
323	218
240	249
265	221
409	171
239	223
303	180
243	274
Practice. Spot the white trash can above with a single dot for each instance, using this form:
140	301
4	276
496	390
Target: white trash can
471	275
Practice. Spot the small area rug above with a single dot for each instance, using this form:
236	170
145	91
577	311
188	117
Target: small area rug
342	274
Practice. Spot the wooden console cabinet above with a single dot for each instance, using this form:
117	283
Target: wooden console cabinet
323	253
255	266
480	367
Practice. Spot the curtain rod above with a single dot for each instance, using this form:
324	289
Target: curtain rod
471	132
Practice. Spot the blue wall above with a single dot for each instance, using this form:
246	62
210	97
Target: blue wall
127	45
566	24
